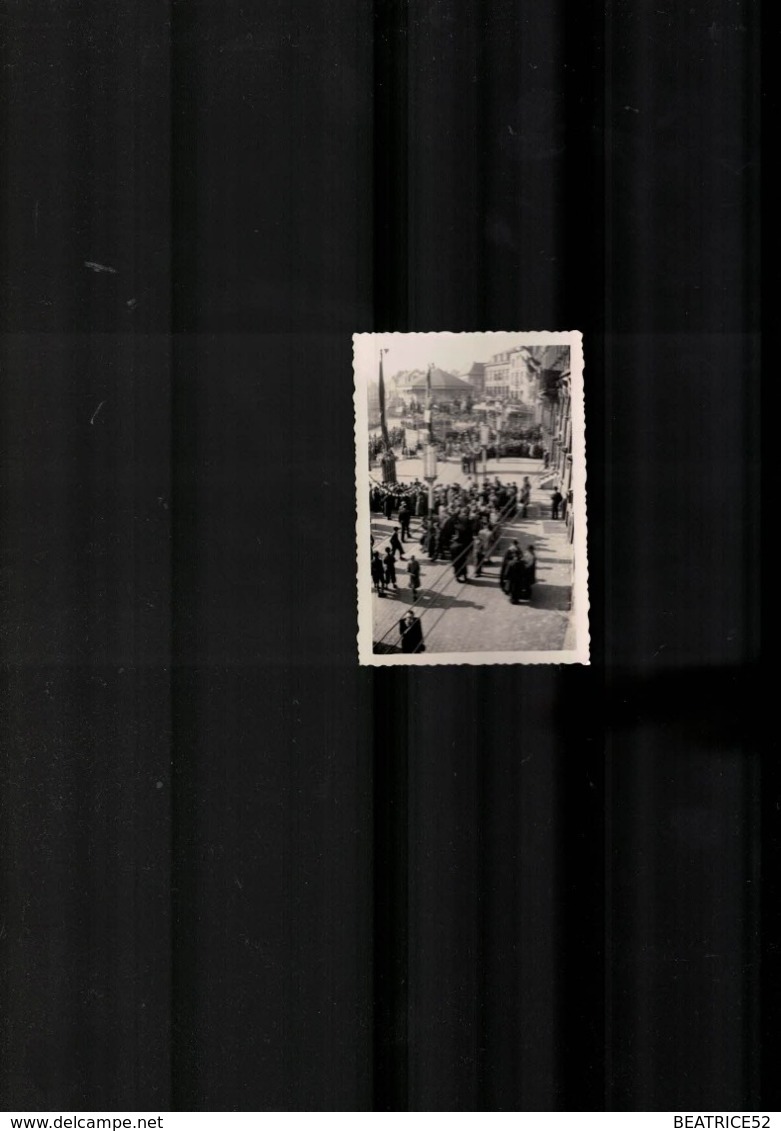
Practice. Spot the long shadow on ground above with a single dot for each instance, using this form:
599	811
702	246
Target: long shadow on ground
555	597
427	600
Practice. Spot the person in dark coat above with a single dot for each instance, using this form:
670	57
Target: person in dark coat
432	540
513	550
411	633
458	554
556	500
447	531
515	578
387	505
463	527
395	544
378	574
529	575
413	569
389	565
405	514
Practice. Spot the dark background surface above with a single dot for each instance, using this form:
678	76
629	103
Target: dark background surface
239	872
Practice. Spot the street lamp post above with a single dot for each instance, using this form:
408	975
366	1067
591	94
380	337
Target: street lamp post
430	451
430	474
485	437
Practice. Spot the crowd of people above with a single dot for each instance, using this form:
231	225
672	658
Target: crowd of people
377	444
481	500
463	446
464	527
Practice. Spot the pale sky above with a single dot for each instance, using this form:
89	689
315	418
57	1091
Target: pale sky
452	352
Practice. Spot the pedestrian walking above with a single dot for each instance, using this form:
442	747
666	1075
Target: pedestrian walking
405	514
395	544
389	565
512	551
411	633
556	500
526	494
515	578
378	574
458	553
413	569
529	572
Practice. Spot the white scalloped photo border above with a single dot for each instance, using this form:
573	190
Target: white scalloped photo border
578	651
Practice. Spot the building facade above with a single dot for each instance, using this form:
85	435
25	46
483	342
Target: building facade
523	379
497	376
412	387
404	384
476	378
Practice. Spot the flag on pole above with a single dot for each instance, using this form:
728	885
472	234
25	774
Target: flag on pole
383	421
428	404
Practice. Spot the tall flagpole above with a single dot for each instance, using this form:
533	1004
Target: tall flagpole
430	454
383	420
388	459
428	406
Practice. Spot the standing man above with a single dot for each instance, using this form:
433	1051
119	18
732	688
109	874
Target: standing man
405	514
555	502
413	569
529	575
514	581
526	494
378	574
411	633
395	544
458	552
512	551
432	539
389	565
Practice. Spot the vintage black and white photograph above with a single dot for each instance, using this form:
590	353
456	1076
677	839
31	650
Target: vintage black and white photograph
471	498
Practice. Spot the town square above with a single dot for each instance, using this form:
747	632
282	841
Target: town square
471	498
